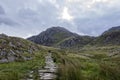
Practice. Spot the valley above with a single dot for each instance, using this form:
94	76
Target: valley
58	54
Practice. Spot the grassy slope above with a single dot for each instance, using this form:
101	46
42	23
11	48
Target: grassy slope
17	70
90	63
17	47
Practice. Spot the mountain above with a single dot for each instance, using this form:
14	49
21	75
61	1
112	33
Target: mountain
60	37
113	29
52	36
16	49
109	37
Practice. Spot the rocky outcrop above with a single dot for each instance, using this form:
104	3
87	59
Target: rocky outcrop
75	42
15	49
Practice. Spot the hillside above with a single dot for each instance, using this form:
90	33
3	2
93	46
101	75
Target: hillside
82	61
52	36
109	37
60	37
20	57
15	49
75	42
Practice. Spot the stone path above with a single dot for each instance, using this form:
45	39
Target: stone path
48	72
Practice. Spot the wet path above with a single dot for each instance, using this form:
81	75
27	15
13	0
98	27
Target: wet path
48	72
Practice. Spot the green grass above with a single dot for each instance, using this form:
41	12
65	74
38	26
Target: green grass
89	63
93	63
18	70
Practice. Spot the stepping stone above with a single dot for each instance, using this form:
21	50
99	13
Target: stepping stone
49	71
31	72
30	79
43	71
48	76
30	75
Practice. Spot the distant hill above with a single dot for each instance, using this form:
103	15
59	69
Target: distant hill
52	36
109	37
60	37
75	42
113	29
16	49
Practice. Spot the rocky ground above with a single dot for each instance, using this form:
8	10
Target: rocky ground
47	73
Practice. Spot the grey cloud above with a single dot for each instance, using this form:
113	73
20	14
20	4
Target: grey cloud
7	21
4	19
33	16
95	26
2	12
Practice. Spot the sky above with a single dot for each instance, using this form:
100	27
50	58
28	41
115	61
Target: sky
25	18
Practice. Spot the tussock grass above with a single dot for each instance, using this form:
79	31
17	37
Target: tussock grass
99	66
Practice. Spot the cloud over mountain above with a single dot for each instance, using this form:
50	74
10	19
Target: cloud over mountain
82	16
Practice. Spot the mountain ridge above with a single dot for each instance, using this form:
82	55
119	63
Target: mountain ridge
60	37
52	36
67	39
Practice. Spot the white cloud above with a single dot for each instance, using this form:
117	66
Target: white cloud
81	16
65	15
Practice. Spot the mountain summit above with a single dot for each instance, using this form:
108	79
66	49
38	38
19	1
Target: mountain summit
52	36
60	37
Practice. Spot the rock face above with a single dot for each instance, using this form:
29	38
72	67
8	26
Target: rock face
15	49
52	36
59	37
109	37
75	42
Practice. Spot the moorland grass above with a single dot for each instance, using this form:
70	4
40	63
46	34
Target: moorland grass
99	66
18	70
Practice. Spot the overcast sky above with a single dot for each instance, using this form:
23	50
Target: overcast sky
24	18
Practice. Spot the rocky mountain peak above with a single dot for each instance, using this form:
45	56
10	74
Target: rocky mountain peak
57	29
111	30
52	36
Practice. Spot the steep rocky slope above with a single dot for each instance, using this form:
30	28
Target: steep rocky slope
75	42
16	49
60	37
109	37
52	36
